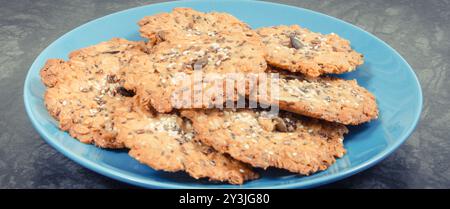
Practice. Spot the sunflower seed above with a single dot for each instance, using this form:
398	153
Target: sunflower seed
280	125
200	63
295	42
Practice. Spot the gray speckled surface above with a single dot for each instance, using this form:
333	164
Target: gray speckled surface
418	30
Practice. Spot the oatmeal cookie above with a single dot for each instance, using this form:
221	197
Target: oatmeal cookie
167	142
328	98
298	144
297	49
83	92
186	23
153	76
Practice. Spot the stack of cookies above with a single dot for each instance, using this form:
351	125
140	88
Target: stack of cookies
120	94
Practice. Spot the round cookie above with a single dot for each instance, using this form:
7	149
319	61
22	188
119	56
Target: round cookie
166	142
300	145
186	23
153	76
297	49
328	98
83	92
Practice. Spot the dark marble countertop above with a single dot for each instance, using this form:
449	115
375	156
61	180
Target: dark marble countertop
418	30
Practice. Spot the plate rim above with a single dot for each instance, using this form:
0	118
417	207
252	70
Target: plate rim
150	183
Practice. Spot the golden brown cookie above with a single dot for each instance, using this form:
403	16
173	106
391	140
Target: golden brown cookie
298	144
186	23
297	49
154	77
84	92
166	142
328	98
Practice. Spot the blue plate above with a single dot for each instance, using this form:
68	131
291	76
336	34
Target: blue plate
385	73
